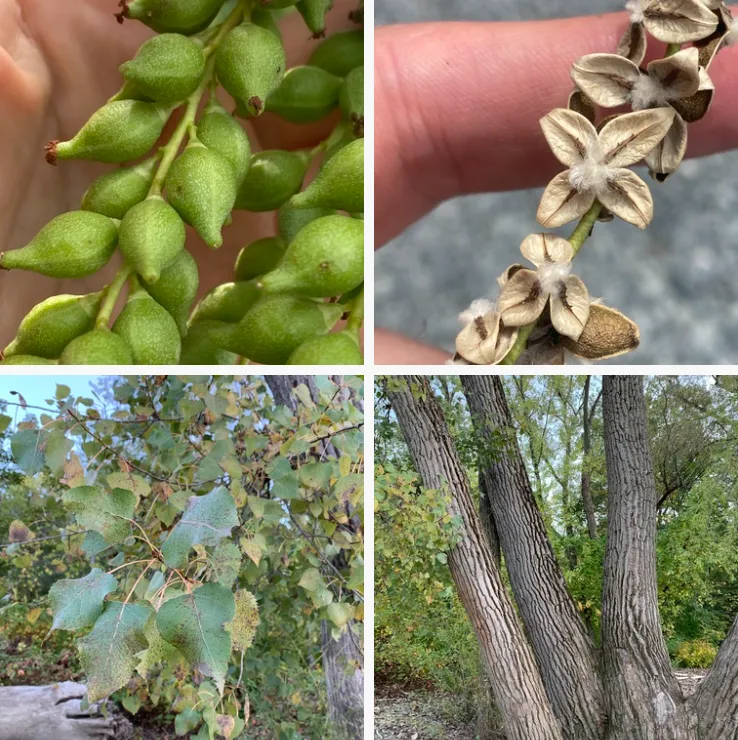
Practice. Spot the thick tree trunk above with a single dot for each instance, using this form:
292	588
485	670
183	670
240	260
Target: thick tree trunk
586	448
515	679
488	520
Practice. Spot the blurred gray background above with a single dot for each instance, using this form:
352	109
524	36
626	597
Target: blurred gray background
677	280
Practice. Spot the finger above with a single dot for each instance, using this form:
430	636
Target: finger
391	348
458	105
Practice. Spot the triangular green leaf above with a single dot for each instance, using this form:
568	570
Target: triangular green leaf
57	449
103	511
226	563
78	603
158	650
27	447
186	720
340	613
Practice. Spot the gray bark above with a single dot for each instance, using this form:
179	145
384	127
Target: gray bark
514	677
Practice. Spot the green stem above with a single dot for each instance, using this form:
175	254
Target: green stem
672	49
356	319
111	297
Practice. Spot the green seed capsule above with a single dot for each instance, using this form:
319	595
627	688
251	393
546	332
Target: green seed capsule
151	237
219	131
167	68
266	19
97	347
118	132
228	302
260	257
201	186
340	139
313	13
352	99
182	16
198	347
52	324
73	245
275	327
176	288
325	259
306	94
292	220
250	64
115	193
28	360
149	330
340	184
339	53
274	177
332	349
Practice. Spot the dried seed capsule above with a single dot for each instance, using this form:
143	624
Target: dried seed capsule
176	288
250	64
306	94
149	330
260	257
273	178
167	68
332	349
313	13
183	16
115	193
97	347
325	259
118	132
201	186
352	99
228	302
28	360
291	220
198	347
52	324
339	53
151	237
219	131
73	245
275	327
266	19
340	184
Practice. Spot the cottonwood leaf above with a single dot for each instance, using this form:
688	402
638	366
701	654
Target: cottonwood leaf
158	650
57	449
103	511
93	544
129	482
311	579
226	724
226	563
340	613
194	623
246	620
74	474
28	447
77	603
186	720
206	521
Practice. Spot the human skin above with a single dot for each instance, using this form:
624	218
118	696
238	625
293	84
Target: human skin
457	107
59	63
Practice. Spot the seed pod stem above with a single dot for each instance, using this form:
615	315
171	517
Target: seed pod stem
356	314
111	297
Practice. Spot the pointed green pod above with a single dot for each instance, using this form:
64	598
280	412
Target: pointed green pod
72	245
198	347
151	237
339	53
313	13
228	302
342	136
266	19
167	68
332	349
28	360
275	327
201	186
52	324
339	184
260	257
176	288
274	177
325	259
115	193
305	95
97	347
250	64
178	16
219	131
352	99
149	330
118	132
292	220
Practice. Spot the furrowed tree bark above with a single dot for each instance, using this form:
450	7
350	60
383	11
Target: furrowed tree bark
488	520
514	677
644	697
562	645
586	449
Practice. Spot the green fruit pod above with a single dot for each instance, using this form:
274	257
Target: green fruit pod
115	193
198	347
176	288
274	177
275	327
52	324
201	187
149	330
292	220
177	16
167	68
152	235
307	94
250	64
260	257
28	360
97	347
352	99
228	302
118	132
339	184
326	259
332	349
313	13
339	53
219	131
266	19
72	245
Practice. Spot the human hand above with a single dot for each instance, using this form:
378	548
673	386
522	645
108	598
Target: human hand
457	107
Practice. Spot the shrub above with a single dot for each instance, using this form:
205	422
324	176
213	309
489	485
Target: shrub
695	654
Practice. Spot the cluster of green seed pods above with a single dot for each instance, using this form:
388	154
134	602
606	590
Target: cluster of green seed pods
293	297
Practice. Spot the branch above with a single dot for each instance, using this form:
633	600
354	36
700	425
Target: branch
49	537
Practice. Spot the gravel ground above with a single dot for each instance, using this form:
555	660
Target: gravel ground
676	280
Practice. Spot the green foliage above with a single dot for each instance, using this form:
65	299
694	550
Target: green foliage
697	654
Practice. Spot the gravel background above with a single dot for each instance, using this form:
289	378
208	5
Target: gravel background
677	280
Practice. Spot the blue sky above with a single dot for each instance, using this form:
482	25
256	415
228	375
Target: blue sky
37	388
